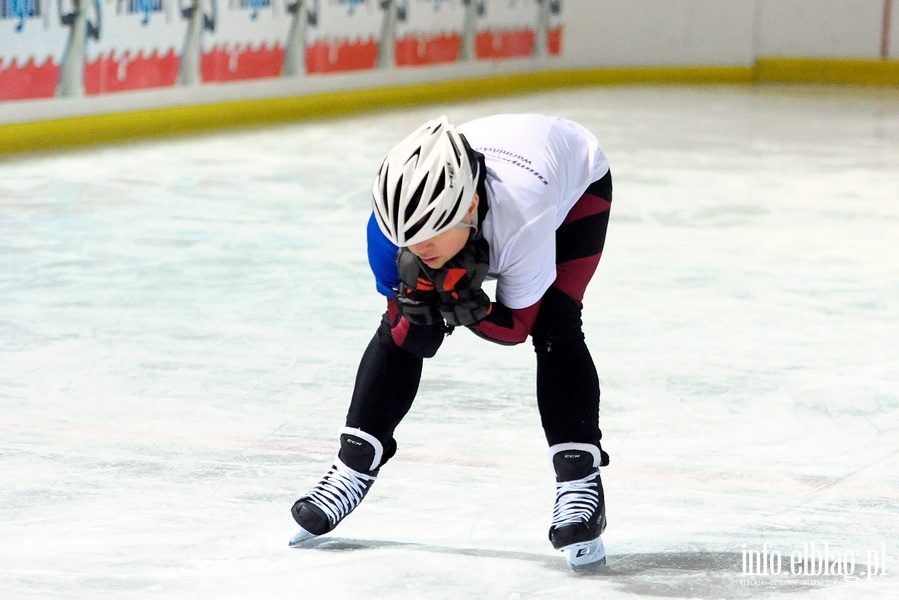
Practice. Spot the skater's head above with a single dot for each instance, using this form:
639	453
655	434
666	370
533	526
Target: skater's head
426	186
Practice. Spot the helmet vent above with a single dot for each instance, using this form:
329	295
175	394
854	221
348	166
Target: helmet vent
413	229
456	150
414	157
445	219
414	201
439	185
397	198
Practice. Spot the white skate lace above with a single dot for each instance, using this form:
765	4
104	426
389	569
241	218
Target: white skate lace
576	501
340	491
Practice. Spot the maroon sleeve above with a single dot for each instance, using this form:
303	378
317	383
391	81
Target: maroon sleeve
507	326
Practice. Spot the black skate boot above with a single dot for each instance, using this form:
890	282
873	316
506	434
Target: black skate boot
579	516
342	488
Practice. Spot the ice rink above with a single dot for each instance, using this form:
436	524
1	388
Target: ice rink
181	322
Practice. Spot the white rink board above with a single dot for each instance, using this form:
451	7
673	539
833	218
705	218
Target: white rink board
180	325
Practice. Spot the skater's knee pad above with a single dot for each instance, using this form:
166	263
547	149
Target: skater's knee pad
558	322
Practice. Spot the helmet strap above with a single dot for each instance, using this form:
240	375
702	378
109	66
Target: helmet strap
473	225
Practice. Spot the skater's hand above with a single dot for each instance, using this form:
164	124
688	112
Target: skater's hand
416	297
461	301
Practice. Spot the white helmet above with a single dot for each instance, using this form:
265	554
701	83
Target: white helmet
425	184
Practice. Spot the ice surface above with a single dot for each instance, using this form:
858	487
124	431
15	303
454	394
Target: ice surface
181	321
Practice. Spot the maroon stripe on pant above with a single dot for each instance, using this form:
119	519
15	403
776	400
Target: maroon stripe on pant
584	229
573	276
587	205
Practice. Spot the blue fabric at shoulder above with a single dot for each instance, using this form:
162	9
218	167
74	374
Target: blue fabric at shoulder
382	259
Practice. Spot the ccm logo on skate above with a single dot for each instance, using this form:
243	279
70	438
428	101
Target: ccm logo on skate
353	442
582	552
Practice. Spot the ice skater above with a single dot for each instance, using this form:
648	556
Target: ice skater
523	199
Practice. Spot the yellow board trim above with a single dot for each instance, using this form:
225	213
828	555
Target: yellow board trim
833	71
108	128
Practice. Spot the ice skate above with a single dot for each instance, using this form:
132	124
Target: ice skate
579	515
342	488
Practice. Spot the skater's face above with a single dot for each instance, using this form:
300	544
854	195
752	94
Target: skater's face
436	251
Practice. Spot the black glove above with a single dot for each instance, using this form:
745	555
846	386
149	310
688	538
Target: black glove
416	297
460	299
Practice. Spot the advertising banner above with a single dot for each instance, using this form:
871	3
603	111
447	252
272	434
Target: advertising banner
77	48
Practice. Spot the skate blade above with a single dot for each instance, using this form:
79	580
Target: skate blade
585	556
299	537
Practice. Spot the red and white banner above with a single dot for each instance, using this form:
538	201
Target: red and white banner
71	48
131	45
429	32
31	48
